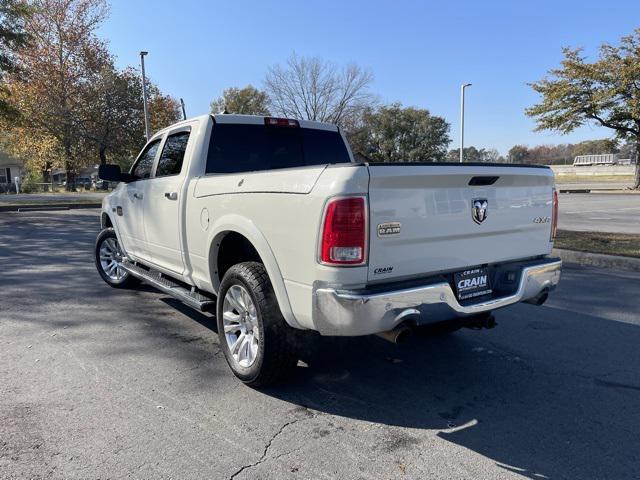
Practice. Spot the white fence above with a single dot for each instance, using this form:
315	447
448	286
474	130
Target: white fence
594	170
605	159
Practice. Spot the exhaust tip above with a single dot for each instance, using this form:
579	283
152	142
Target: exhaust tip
398	335
481	321
540	298
543	298
403	335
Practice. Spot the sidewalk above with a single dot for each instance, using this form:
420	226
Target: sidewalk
611	262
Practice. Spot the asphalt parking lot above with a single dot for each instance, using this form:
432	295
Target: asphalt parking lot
600	212
102	383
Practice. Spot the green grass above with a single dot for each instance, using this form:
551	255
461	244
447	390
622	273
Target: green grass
623	244
7	201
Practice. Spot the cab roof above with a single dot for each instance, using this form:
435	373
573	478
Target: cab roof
259	120
246	120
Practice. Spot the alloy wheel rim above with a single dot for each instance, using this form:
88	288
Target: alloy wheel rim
111	259
240	322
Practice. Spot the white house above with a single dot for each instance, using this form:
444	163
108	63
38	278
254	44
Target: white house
10	168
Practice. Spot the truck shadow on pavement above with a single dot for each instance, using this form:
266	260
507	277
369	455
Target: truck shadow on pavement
563	406
562	416
552	392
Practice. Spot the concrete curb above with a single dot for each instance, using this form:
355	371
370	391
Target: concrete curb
616	191
604	191
598	260
575	190
33	207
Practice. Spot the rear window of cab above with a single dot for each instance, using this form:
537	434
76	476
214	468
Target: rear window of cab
236	148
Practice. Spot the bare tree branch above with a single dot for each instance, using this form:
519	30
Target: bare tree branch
313	89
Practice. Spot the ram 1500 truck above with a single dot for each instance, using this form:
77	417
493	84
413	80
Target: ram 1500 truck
272	224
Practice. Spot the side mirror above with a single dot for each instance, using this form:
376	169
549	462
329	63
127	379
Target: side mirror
112	173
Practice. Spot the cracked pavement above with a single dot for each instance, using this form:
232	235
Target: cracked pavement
102	383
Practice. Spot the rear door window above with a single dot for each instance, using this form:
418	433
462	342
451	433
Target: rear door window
170	162
238	148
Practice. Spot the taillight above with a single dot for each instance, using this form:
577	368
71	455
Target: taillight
281	122
554	215
344	232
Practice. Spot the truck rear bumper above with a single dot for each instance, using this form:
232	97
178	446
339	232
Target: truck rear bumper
349	313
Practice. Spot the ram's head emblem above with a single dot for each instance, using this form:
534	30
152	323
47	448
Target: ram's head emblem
479	208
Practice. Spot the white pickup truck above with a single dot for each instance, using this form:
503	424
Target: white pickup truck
271	223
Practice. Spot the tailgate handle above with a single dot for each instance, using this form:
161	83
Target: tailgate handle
483	180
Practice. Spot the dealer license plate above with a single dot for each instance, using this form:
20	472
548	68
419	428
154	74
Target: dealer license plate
472	283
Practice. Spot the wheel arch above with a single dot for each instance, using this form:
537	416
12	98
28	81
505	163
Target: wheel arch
105	221
237	228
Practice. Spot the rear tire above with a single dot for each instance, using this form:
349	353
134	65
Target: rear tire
254	336
107	256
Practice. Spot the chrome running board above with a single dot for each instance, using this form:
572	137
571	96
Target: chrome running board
156	279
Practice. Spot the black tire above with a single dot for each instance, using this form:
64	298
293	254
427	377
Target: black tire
276	355
126	281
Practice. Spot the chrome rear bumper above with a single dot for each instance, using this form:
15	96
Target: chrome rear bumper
339	312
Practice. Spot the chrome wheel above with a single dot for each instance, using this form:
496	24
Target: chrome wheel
111	258
241	329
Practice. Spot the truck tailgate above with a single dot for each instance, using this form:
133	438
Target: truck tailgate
422	217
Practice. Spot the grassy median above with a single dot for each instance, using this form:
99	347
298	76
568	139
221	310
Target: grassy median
624	244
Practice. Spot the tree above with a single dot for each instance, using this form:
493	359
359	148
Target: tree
70	94
111	118
605	92
13	14
518	154
472	154
58	64
628	150
393	133
313	89
38	150
595	147
246	101
453	155
491	155
164	110
114	115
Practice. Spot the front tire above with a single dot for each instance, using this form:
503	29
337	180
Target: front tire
108	256
254	336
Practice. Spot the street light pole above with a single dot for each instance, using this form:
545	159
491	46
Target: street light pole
147	127
462	87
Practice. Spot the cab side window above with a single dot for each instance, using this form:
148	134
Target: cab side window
170	162
142	168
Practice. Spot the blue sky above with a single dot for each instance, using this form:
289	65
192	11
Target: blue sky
418	51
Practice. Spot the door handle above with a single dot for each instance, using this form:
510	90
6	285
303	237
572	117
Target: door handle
138	196
171	195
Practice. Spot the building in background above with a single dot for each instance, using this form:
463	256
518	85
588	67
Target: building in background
85	178
10	168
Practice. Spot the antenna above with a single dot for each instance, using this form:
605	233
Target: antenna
184	111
